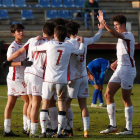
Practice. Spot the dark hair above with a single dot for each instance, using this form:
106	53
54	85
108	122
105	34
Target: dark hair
72	28
58	21
61	32
67	21
16	26
119	18
48	28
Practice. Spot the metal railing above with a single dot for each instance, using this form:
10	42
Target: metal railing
75	8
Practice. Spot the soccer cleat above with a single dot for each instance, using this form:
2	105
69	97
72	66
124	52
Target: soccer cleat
58	136
109	129
10	134
48	132
28	132
54	131
125	131
33	135
68	132
95	105
24	131
86	135
43	135
102	105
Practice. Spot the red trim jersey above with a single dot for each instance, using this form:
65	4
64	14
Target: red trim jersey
78	62
58	55
38	58
16	73
125	50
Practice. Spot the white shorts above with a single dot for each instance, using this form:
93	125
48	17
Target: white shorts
124	75
16	88
28	84
35	84
59	91
78	88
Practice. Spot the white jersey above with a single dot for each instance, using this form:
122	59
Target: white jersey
77	67
38	58
16	73
58	55
125	50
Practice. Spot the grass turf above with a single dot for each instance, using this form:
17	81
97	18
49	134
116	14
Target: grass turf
98	117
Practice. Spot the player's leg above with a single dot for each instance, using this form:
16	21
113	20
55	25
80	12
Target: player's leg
53	114
25	107
127	79
36	100
83	93
96	91
29	93
7	116
12	97
47	93
128	112
73	88
36	86
61	90
29	114
100	97
85	115
68	124
111	108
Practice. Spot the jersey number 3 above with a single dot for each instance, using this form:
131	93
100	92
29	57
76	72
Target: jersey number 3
59	57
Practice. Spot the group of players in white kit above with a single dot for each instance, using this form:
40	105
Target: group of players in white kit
58	72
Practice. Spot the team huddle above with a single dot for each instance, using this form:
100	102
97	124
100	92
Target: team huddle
55	70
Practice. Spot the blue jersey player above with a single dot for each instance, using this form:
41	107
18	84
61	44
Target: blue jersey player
98	68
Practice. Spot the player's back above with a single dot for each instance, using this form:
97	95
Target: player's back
77	62
99	64
38	58
58	55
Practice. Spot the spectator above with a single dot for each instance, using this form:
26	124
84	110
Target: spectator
88	12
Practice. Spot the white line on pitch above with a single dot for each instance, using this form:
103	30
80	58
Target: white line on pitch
75	104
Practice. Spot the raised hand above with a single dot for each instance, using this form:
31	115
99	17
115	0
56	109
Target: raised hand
100	16
39	37
101	26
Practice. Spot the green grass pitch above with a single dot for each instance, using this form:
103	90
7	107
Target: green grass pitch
98	117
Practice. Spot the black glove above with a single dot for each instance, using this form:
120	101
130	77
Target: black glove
26	62
6	63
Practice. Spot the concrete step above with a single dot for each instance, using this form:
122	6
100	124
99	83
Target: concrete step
105	38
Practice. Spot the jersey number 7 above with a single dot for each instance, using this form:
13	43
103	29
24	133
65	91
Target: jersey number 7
59	57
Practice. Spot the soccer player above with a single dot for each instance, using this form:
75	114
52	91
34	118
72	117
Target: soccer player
53	111
78	85
15	80
58	55
123	76
34	79
98	67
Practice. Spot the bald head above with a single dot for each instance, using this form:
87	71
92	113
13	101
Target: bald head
91	1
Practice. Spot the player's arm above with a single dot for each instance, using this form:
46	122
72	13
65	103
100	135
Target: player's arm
95	38
90	75
113	65
102	75
16	54
110	29
15	64
41	47
81	49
